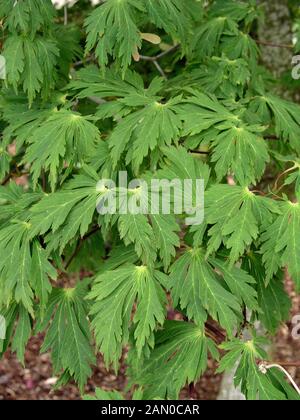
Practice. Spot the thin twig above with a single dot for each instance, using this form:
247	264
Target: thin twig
288	364
263	194
199	152
157	57
263	367
79	246
160	70
65	15
96	100
271	137
12	175
161	55
43	176
6	179
193	391
85	61
215	331
281	175
272	44
75	253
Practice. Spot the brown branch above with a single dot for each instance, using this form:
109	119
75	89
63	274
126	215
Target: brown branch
79	245
215	332
160	70
65	15
271	137
157	57
161	55
85	61
172	49
283	364
96	100
272	44
289	364
44	183
263	194
199	152
6	179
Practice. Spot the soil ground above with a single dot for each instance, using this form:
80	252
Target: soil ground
35	381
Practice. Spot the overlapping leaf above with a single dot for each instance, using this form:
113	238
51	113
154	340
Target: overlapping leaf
237	216
68	334
66	212
27	16
64	137
31	64
153	127
231	139
113	30
114	294
273	300
255	384
285	113
170	15
197	288
89	82
180	356
281	242
18	330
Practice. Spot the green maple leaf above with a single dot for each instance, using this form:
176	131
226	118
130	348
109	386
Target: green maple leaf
66	212
114	294
18	330
229	137
180	356
237	216
22	122
274	303
68	334
90	83
179	164
14	246
169	15
240	283
224	76
4	162
197	289
240	45
209	35
145	130
208	118
15	203
31	63
254	384
112	29
281	243
165	231
14	56
41	271
137	230
229	147
27	16
22	333
286	119
273	300
237	10
285	116
64	136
